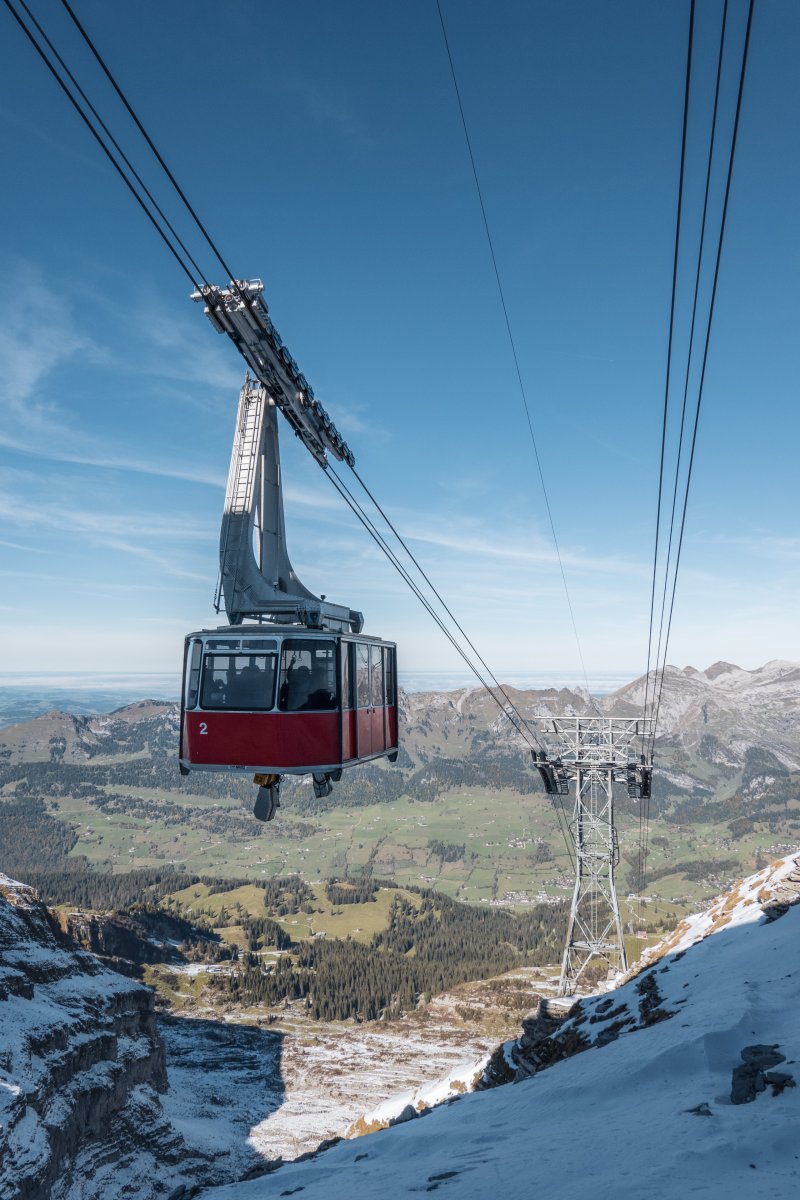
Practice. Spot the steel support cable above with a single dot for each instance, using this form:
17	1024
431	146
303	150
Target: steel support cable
109	76
562	817
113	141
522	726
380	541
701	384
86	120
687	86
690	352
675	256
438	596
720	241
511	337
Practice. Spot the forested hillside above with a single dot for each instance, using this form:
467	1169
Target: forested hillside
426	948
282	940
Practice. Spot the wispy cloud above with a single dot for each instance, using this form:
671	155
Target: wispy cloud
331	109
20	546
175	544
760	542
40	337
79	584
164	563
36	336
184	349
518	550
481	541
22	509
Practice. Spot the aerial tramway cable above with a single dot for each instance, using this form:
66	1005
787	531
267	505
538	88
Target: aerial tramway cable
701	385
380	540
147	138
512	343
690	351
113	141
443	603
86	120
687	86
644	804
665	631
518	721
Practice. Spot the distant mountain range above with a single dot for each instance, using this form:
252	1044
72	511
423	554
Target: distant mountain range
463	809
23	697
739	708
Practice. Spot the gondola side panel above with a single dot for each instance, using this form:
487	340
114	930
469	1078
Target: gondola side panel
275	741
349	750
391	727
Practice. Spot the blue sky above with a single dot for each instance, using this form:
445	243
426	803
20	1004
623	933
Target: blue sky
321	144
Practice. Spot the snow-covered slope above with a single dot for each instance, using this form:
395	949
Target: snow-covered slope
462	1078
643	1106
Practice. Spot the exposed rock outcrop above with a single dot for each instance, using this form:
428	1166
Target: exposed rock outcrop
81	1068
753	1074
538	1046
125	941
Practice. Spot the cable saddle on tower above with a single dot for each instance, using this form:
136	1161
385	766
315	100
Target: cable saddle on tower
639	778
553	775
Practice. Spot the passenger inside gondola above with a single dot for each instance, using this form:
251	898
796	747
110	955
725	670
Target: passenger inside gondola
251	686
320	696
308	676
296	689
239	682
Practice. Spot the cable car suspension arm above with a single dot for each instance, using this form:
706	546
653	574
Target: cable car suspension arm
240	311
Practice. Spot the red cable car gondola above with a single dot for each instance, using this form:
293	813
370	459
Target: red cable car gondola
300	690
284	700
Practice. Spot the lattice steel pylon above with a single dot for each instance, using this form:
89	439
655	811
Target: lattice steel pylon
595	752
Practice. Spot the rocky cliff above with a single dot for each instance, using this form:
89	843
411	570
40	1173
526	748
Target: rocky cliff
81	1070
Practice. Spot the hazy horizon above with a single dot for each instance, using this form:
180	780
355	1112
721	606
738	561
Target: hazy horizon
25	695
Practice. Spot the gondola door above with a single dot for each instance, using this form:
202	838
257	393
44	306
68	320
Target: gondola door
390	689
363	701
349	710
377	700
